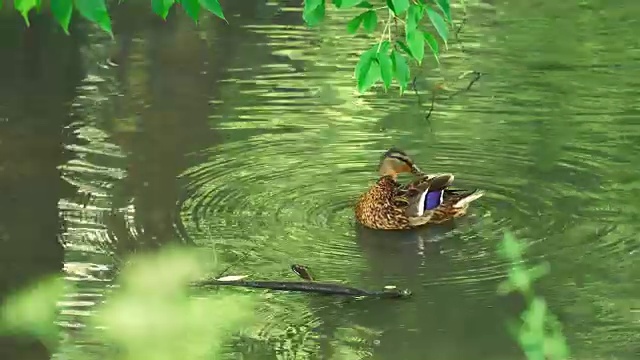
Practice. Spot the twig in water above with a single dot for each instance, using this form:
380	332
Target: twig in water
414	83
477	76
462	24
457	32
433	102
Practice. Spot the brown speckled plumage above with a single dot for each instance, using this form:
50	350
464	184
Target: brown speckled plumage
389	205
377	208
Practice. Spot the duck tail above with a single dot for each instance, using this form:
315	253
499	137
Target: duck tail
467	197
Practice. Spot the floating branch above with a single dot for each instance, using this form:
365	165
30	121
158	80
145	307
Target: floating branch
308	286
313	287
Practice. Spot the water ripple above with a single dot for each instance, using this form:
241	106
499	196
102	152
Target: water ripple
549	136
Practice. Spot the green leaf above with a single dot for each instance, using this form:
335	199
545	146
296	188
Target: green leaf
413	17
32	310
555	343
384	46
445	6
162	7
344	4
390	5
313	12
213	6
363	67
519	279
399	6
95	11
365	5
415	42
373	76
23	7
62	11
400	69
556	347
386	67
505	287
439	23
536	315
312	4
404	47
370	21
539	271
192	8
511	248
433	44
354	24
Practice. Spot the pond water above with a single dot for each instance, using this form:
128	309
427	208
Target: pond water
250	139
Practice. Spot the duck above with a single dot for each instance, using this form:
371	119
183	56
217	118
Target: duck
390	205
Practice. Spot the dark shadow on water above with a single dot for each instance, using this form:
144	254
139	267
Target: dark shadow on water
172	109
40	69
400	253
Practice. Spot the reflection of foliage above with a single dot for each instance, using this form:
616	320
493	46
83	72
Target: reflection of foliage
288	332
292	331
356	342
96	170
539	333
151	316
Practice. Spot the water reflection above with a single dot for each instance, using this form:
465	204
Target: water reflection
39	72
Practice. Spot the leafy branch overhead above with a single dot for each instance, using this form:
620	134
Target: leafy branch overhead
386	60
96	10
